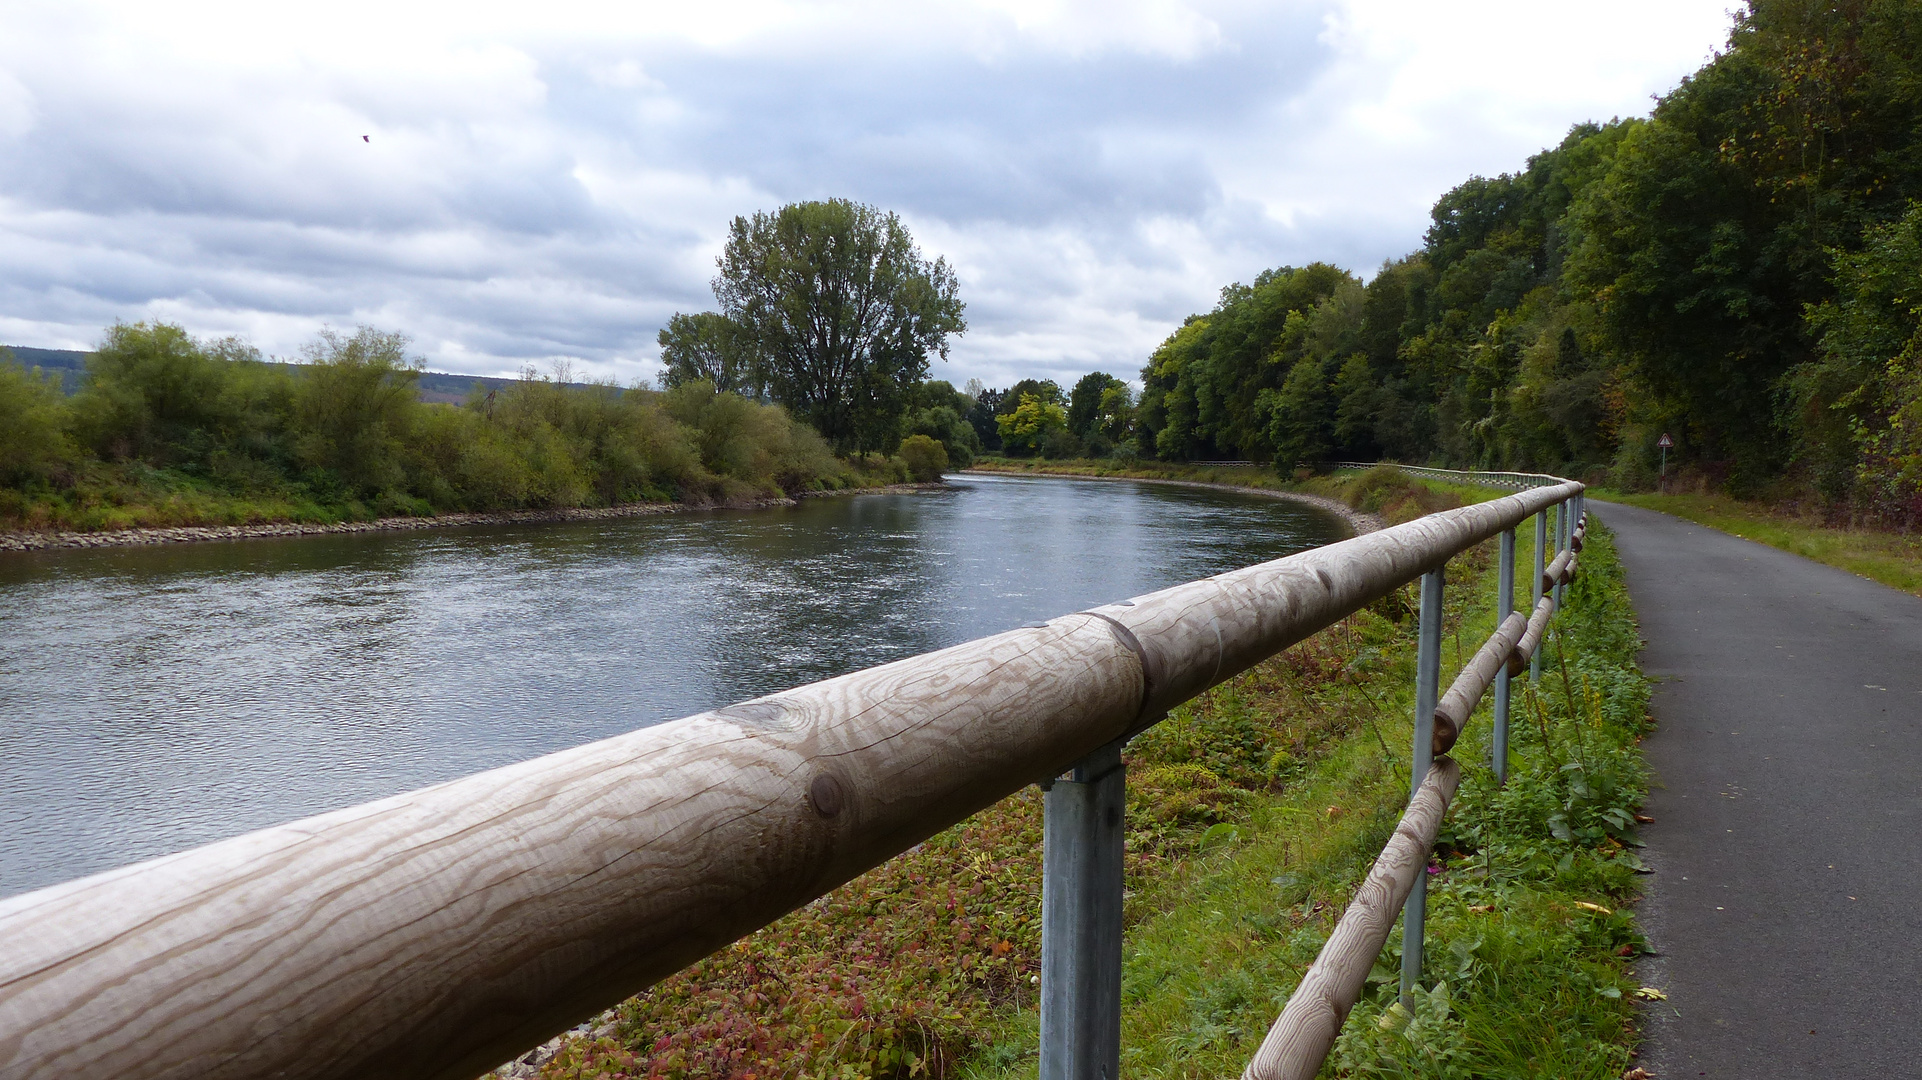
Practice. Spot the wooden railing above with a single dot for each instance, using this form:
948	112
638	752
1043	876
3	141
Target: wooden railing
442	931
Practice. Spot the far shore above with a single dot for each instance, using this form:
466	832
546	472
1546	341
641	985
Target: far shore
187	534
1356	521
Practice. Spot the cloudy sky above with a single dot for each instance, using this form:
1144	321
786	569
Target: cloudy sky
551	180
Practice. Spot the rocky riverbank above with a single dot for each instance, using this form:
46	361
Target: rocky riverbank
185	534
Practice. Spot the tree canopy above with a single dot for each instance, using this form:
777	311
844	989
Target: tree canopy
838	312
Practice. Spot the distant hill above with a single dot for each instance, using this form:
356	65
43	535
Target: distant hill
72	367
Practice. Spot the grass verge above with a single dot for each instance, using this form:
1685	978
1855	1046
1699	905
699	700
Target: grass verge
1894	559
1254	811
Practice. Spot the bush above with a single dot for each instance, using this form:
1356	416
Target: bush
926	459
31	442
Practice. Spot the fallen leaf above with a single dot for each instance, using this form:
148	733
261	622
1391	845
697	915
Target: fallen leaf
1649	993
1637	1073
1482	909
1644	819
1596	908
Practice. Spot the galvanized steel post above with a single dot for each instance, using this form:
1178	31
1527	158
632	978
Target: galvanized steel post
1541	565
1561	541
1504	605
1427	692
1081	850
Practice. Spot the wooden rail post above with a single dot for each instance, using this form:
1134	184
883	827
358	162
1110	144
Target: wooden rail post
1083	827
1427	691
1504	607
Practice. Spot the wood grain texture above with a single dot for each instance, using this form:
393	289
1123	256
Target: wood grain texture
1451	714
1531	638
1557	571
1193	636
1305	1031
438	933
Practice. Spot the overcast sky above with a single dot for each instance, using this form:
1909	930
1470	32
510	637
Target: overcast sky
551	180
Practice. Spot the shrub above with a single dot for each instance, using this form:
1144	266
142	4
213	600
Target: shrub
31	442
926	459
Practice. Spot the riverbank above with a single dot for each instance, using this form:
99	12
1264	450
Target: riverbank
186	534
1251	481
1253	812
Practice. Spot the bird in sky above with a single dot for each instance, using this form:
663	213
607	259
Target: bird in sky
365	138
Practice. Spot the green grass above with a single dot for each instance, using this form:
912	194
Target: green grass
1894	559
1254	811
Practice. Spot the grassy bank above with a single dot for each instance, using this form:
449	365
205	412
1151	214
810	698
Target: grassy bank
1253	813
1894	559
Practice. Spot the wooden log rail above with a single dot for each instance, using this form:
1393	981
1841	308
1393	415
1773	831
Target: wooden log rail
1301	1037
440	932
1300	1040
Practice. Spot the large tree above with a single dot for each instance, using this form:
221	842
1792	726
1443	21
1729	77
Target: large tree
709	346
841	312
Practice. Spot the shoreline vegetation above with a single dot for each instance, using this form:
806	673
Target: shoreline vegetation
135	537
1253	811
170	438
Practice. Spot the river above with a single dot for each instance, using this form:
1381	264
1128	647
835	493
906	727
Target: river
153	699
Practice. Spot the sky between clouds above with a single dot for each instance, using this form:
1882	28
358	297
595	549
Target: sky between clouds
550	181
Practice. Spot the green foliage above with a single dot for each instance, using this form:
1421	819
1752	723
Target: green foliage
168	430
1031	423
710	347
32	444
1860	401
926	458
838	311
1699	273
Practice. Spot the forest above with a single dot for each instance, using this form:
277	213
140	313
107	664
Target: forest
1741	270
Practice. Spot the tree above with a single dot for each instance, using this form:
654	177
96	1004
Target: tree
1084	402
31	442
841	312
709	346
1027	427
354	407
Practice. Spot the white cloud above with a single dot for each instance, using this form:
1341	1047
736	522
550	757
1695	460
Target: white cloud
552	181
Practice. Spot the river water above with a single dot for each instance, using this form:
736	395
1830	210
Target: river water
154	699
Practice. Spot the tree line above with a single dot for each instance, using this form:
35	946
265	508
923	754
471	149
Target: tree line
1740	270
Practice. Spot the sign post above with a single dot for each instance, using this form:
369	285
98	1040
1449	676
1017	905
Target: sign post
1664	442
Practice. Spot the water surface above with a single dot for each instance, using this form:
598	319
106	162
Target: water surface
154	699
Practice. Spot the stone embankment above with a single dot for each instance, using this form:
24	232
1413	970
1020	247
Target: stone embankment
182	534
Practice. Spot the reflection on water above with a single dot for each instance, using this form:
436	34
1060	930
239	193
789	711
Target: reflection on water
154	699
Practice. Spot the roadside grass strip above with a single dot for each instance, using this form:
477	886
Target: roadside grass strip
1253	813
1892	558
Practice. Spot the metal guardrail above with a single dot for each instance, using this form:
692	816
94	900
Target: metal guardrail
1514	481
440	932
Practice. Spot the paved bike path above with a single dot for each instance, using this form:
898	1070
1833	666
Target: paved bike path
1786	903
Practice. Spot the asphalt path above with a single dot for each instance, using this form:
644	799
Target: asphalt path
1786	902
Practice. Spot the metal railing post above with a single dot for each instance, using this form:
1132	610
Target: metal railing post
1564	528
1427	692
1504	606
1541	565
1081	849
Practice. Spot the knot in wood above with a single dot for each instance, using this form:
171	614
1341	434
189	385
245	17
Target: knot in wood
826	795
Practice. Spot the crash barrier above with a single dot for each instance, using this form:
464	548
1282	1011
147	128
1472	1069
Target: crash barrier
442	931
